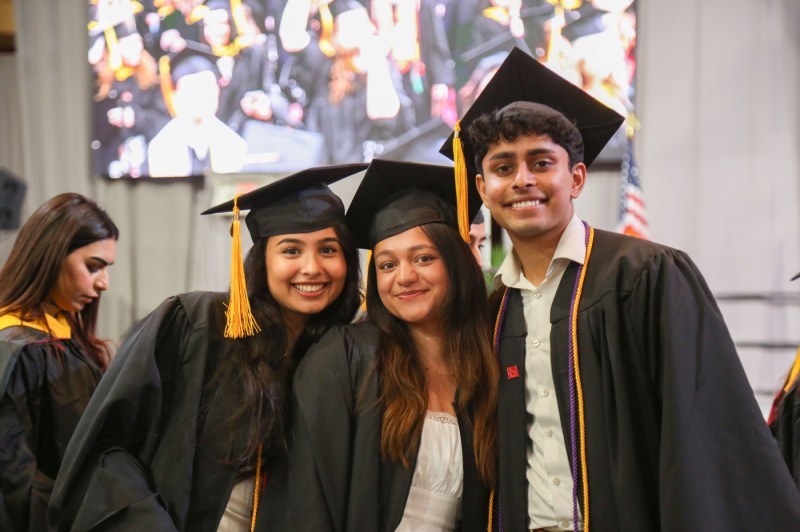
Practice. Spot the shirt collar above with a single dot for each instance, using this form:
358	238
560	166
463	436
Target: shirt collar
571	246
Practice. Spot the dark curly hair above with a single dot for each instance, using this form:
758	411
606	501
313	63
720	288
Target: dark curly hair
509	124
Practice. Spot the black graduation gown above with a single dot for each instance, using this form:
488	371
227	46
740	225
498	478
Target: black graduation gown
141	458
46	384
675	439
786	429
346	126
337	480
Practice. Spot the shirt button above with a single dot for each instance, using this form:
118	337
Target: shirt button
537	295
564	524
557	482
549	434
545	392
536	343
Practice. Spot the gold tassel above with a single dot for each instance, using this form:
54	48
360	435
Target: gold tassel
240	320
366	278
239	20
165	81
326	19
114	55
462	196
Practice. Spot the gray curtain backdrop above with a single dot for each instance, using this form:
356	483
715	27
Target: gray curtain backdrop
718	154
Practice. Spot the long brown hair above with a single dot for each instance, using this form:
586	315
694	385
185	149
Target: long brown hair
260	367
403	391
57	228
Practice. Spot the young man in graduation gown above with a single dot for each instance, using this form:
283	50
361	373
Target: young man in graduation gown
622	401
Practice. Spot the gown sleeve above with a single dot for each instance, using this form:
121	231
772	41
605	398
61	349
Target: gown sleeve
719	467
20	476
104	483
786	429
323	397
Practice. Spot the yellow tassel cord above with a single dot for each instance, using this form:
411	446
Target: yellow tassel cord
793	373
239	20
326	19
256	488
114	54
491	509
366	278
165	81
240	320
579	386
462	196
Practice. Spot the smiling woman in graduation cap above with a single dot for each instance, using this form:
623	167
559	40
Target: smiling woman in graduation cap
622	402
394	417
187	430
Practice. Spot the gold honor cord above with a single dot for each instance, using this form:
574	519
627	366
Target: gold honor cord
578	384
256	488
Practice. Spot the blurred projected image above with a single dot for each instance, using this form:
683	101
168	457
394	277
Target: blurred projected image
190	87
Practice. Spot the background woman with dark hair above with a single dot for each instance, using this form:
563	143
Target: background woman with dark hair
395	417
50	358
188	426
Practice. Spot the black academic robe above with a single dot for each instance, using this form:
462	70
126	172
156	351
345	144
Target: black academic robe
46	384
674	437
345	126
142	458
786	428
337	479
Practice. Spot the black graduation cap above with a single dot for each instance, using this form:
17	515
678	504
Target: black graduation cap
196	57
337	7
395	196
418	144
522	80
12	192
299	203
588	20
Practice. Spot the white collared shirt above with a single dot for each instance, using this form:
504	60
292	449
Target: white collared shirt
548	472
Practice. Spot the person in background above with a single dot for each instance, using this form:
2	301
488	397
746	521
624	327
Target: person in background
623	404
188	429
477	237
784	417
128	108
194	140
51	359
394	418
355	94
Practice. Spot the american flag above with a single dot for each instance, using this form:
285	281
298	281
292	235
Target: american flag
632	218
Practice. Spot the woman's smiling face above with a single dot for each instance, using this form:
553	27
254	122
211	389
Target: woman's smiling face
305	271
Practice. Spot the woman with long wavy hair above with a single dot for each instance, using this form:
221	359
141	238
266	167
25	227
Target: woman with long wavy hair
394	417
188	430
50	356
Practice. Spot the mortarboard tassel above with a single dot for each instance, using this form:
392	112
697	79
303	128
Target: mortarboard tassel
326	36
240	320
462	206
165	81
366	278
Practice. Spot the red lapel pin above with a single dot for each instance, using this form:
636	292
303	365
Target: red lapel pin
512	372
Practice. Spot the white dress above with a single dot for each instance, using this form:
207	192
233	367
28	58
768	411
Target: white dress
434	502
239	512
